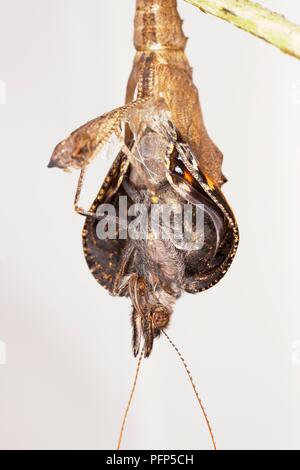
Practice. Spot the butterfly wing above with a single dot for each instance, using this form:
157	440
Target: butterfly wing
107	258
204	267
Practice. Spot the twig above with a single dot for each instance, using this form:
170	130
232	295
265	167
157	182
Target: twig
257	20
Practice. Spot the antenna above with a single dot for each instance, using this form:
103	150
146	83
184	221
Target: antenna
130	398
194	388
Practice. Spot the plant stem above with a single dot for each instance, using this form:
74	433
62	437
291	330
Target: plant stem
257	20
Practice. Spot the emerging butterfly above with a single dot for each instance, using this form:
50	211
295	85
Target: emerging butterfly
167	160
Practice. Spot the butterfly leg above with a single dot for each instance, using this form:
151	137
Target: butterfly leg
126	257
79	210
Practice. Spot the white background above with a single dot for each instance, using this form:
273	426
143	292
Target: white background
68	357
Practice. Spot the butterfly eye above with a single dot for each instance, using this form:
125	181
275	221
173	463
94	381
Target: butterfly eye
160	316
